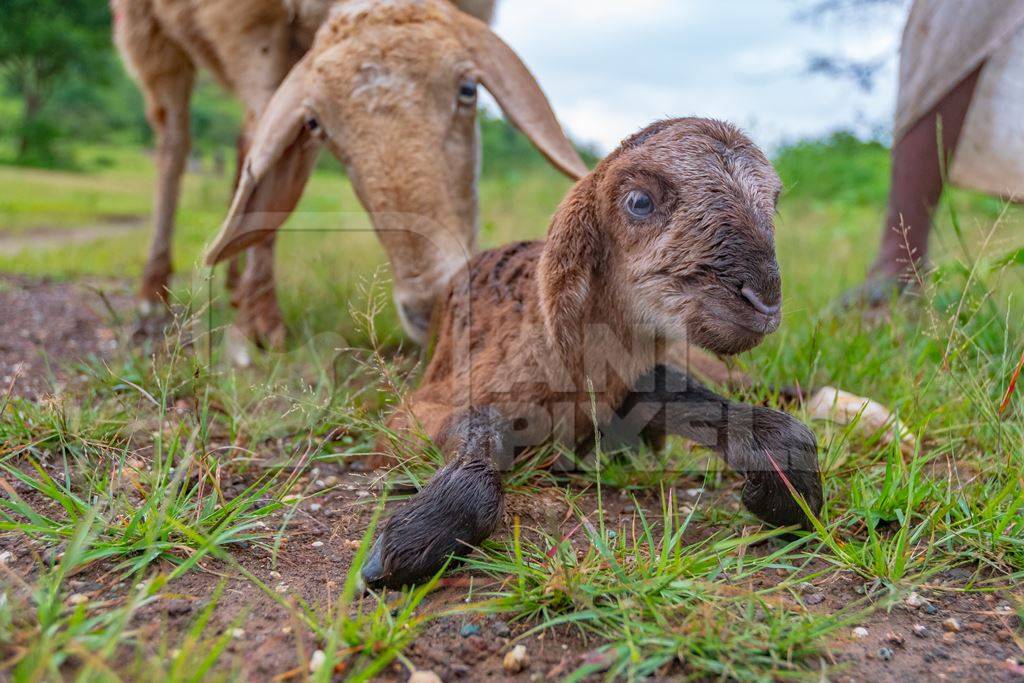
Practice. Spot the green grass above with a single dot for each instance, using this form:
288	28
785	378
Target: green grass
124	473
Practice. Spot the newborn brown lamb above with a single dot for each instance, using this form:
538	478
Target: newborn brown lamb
669	239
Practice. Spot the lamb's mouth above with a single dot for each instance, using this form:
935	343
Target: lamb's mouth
728	324
753	321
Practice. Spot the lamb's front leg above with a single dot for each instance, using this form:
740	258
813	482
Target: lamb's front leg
767	446
457	509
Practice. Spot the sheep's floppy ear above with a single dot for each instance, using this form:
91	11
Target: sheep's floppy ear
275	171
520	97
571	254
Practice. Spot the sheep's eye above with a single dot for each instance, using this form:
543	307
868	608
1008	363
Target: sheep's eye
467	93
312	125
639	204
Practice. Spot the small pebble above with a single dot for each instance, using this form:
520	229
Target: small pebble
77	598
177	608
885	654
317	544
929	608
920	630
315	508
860	632
237	633
316	661
952	625
6	557
895	638
421	676
501	629
599	660
949	637
914	601
814	599
516	659
469	630
612	534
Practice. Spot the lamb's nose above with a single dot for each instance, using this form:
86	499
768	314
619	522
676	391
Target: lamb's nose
756	301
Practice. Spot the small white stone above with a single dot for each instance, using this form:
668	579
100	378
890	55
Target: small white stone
6	556
315	508
914	601
317	544
421	676
860	632
77	599
516	659
316	661
237	633
281	587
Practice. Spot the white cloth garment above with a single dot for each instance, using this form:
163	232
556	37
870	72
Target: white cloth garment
943	42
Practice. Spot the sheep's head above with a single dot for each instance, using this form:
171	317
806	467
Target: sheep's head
678	223
390	87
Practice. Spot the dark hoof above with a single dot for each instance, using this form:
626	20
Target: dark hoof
875	293
372	572
457	510
152	321
787	449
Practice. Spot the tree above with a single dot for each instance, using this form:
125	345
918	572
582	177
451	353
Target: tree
863	71
42	43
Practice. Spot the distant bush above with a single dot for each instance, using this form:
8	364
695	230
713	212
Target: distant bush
506	150
839	167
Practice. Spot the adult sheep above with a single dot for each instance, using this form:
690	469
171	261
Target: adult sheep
388	86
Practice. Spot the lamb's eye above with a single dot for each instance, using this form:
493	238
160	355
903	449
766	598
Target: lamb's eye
639	204
467	93
312	125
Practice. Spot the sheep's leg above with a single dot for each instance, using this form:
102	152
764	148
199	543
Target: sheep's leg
764	445
457	509
259	316
236	264
167	109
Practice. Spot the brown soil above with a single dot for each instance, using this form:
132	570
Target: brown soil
66	321
47	326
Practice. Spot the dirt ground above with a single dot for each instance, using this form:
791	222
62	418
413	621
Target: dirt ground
45	322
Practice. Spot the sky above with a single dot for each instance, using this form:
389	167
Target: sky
610	67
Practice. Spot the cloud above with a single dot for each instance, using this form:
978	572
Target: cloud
613	66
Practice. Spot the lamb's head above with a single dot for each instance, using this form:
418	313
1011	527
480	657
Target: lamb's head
676	226
390	87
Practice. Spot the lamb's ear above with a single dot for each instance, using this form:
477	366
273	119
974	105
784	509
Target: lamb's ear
571	254
280	160
520	97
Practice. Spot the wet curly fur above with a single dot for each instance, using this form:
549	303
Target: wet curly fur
536	340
